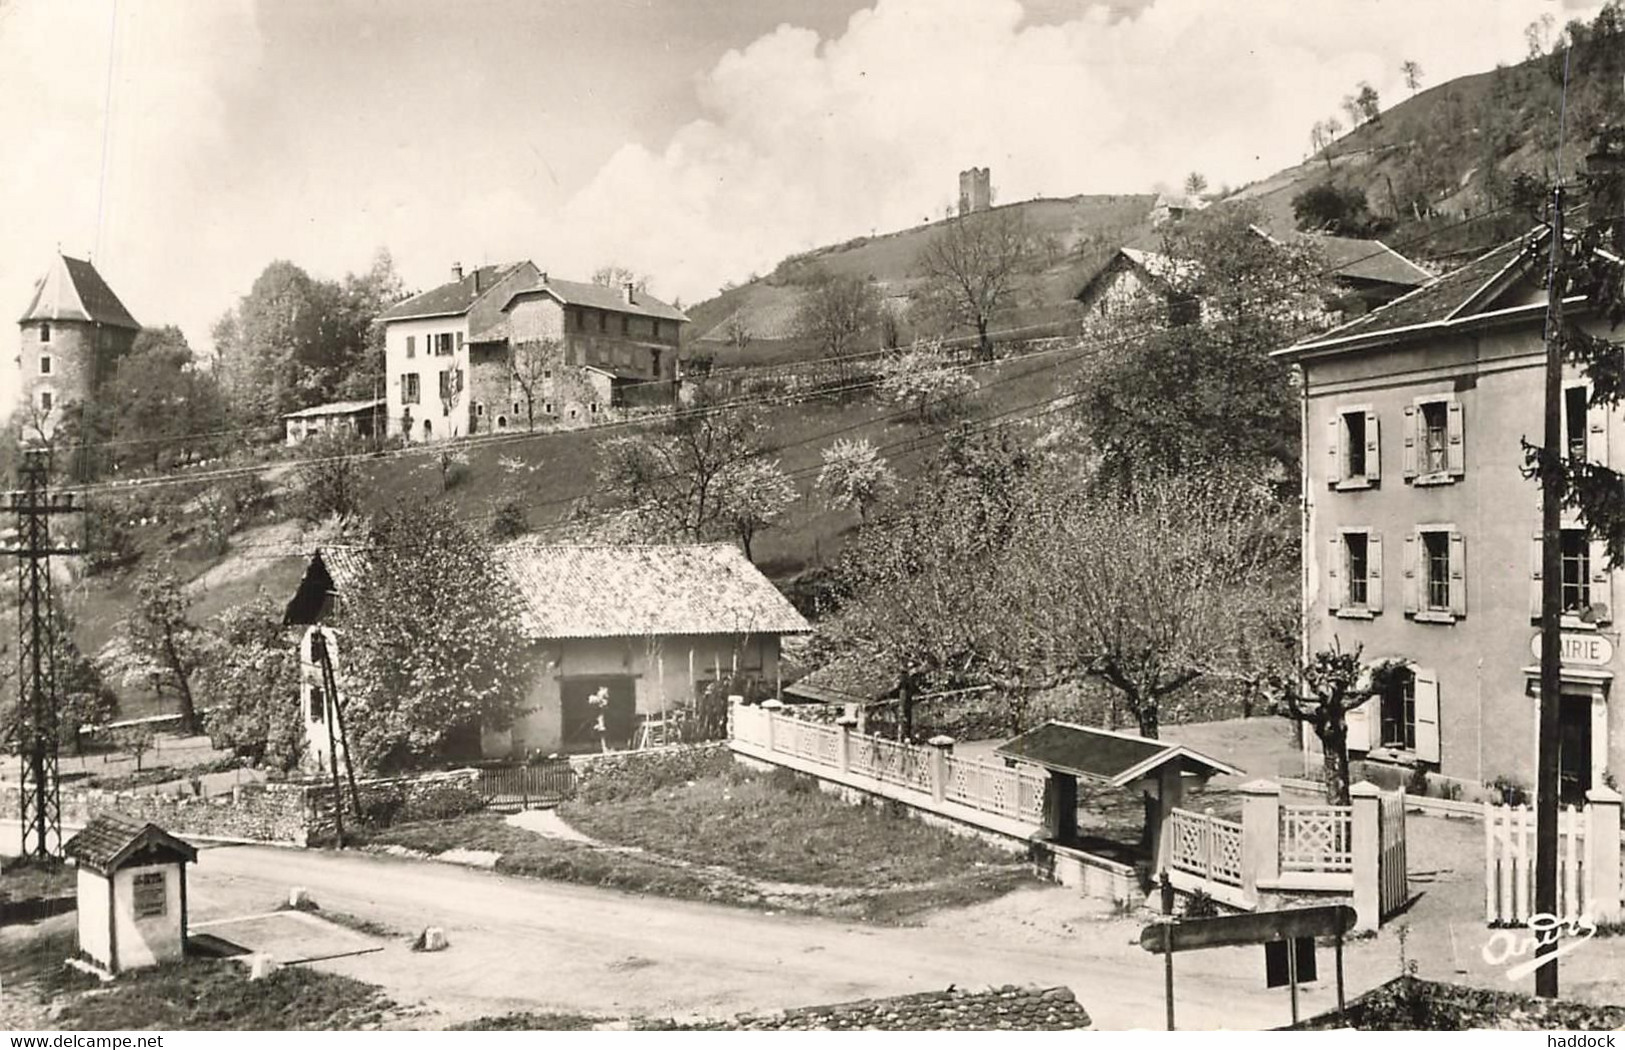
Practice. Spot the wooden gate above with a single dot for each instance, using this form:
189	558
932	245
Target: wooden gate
539	786
1393	877
1509	864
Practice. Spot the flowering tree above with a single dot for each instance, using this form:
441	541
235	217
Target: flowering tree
854	475
923	378
754	494
249	681
432	641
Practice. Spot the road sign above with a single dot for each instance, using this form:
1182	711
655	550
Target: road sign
1256	928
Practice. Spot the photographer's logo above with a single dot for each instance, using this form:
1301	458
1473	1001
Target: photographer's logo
1544	930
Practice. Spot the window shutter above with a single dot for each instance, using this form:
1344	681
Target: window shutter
1410	442
1458	573
1602	598
1411	595
1373	558
1427	715
1456	457
1334	447
1597	434
1334	575
1373	448
1535	555
1358	721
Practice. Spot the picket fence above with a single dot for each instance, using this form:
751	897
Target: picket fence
1509	864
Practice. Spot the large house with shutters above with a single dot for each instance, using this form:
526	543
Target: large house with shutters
503	347
1422	535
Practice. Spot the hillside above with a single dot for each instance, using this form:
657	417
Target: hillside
1074	236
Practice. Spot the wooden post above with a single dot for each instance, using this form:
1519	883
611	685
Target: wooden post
1367	848
1170	793
1602	855
1338	949
1260	835
1168	970
1292	974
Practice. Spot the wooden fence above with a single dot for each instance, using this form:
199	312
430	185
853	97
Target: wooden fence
536	786
990	787
1206	846
1393	872
1318	838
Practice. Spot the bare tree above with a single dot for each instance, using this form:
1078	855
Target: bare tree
972	265
1195	184
737	332
613	275
835	309
1321	696
530	363
1412	71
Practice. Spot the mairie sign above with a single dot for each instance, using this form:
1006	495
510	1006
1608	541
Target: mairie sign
1584	648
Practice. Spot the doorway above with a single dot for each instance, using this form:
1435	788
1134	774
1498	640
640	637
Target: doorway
1574	749
581	715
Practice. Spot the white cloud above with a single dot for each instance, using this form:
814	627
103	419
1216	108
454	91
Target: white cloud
804	141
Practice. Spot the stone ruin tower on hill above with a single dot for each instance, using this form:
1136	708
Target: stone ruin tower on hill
975	190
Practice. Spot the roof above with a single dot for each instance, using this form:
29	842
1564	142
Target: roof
451	298
73	290
1452	297
112	838
604	591
335	408
1102	756
600	297
1158	269
1357	259
859	679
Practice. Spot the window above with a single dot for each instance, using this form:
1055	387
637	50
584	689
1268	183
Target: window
45	364
46	400
1355	571
1433	441
1356	458
547	373
655	327
151	894
411	347
1399	711
318	704
411	392
1575	399
1355	550
626	325
459	340
1576	571
593	408
1435	437
479	408
655	365
1435	574
502	422
45	332
603	321
547	409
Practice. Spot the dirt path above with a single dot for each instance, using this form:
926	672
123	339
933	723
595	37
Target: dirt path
519	944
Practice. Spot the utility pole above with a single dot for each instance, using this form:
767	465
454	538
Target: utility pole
1551	600
37	724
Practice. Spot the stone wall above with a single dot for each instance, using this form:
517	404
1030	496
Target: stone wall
392	800
1010	1008
617	774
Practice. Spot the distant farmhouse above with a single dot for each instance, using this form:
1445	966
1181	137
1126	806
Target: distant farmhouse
72	335
503	347
1365	273
646	628
357	419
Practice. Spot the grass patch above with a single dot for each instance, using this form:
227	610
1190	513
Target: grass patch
530	1022
780	827
217	996
33	879
39	963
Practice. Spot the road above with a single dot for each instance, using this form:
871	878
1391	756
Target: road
522	944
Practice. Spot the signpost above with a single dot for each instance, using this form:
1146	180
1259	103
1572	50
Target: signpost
1262	927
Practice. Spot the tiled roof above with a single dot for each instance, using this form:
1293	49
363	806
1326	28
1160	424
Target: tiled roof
849	680
1358	259
112	837
452	298
616	591
625	591
601	297
335	408
1010	1008
73	290
1439	300
1100	755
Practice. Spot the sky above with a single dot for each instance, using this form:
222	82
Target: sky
185	144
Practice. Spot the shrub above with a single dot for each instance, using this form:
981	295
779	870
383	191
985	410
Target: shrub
442	801
1417	782
1509	791
791	782
509	520
1200	906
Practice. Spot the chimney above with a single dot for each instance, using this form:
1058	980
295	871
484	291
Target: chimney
476	280
541	278
627	291
456	271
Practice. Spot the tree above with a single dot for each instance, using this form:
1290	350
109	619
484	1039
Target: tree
136	740
971	266
250	681
753	496
328	481
1351	109
673	483
166	646
1370	109
613	275
530	364
1412	71
1324	207
84	700
1195	184
736	331
159	408
924	378
1321	696
834	310
431	644
854	474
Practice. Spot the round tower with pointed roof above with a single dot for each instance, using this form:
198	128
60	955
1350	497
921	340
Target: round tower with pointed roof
72	334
